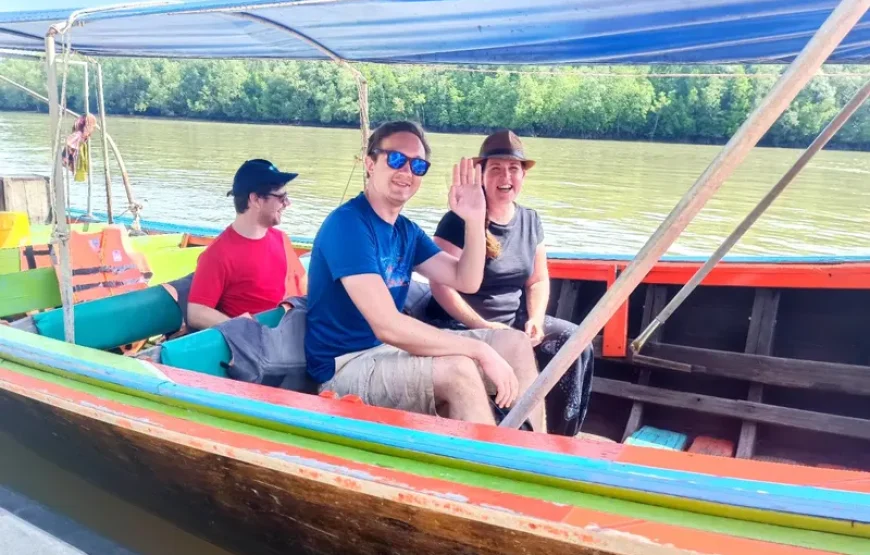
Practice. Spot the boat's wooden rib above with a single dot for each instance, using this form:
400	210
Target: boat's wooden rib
759	340
656	299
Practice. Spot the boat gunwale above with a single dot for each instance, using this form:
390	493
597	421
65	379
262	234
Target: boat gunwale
656	485
566	523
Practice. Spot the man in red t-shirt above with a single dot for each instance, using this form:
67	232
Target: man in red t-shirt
251	266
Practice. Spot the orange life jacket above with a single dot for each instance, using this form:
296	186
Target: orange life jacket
103	263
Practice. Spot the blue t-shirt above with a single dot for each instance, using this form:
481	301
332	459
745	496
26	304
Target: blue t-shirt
354	240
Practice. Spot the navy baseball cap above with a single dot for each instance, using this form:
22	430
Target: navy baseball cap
259	176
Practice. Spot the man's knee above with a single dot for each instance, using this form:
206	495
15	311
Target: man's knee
511	341
456	377
516	348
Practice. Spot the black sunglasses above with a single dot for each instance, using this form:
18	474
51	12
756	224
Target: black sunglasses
396	160
283	197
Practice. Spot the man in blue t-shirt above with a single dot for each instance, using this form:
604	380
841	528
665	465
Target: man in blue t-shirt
357	340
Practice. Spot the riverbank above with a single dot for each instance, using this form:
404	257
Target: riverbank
633	104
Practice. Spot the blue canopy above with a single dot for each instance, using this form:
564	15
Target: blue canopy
447	31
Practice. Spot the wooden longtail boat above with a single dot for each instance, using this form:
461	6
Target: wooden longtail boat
765	360
110	386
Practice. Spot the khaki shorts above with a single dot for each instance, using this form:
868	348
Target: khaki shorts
386	376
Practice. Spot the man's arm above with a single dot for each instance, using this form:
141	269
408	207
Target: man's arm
465	272
202	317
205	292
372	298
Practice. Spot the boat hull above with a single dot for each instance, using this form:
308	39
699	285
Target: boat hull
247	507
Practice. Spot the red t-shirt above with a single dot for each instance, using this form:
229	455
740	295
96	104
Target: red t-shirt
236	275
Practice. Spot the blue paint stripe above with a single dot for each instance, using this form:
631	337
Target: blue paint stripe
766	496
164	227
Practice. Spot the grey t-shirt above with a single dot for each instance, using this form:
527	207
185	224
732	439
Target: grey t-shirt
505	277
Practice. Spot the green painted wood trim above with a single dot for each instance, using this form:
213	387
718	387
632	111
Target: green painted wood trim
25	291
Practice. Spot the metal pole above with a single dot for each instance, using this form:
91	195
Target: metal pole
61	234
87	113
818	144
103	133
826	39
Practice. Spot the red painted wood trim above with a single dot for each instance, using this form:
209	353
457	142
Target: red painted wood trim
616	329
421	488
810	276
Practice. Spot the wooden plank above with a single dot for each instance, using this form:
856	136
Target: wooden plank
785	372
661	363
616	329
28	194
746	410
555	292
567	300
10	261
636	415
759	340
749	430
26	291
763	322
656	300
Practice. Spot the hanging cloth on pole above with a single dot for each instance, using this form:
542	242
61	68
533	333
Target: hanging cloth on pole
74	156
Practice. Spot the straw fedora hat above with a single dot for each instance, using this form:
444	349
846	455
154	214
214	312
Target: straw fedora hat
506	145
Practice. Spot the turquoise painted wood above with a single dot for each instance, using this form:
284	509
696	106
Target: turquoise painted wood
657	438
205	350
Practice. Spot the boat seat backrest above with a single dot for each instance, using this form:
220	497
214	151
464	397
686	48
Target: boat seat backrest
115	321
205	350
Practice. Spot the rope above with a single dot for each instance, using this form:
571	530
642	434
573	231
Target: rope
66	48
356	160
363	99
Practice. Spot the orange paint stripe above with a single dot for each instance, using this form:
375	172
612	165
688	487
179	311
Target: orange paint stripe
128	417
846	480
710	543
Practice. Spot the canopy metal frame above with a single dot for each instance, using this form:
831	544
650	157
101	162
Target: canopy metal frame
826	39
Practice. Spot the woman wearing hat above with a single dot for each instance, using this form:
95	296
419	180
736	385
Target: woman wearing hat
516	285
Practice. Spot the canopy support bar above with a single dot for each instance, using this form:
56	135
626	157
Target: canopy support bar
101	106
87	95
61	233
814	54
361	82
818	144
